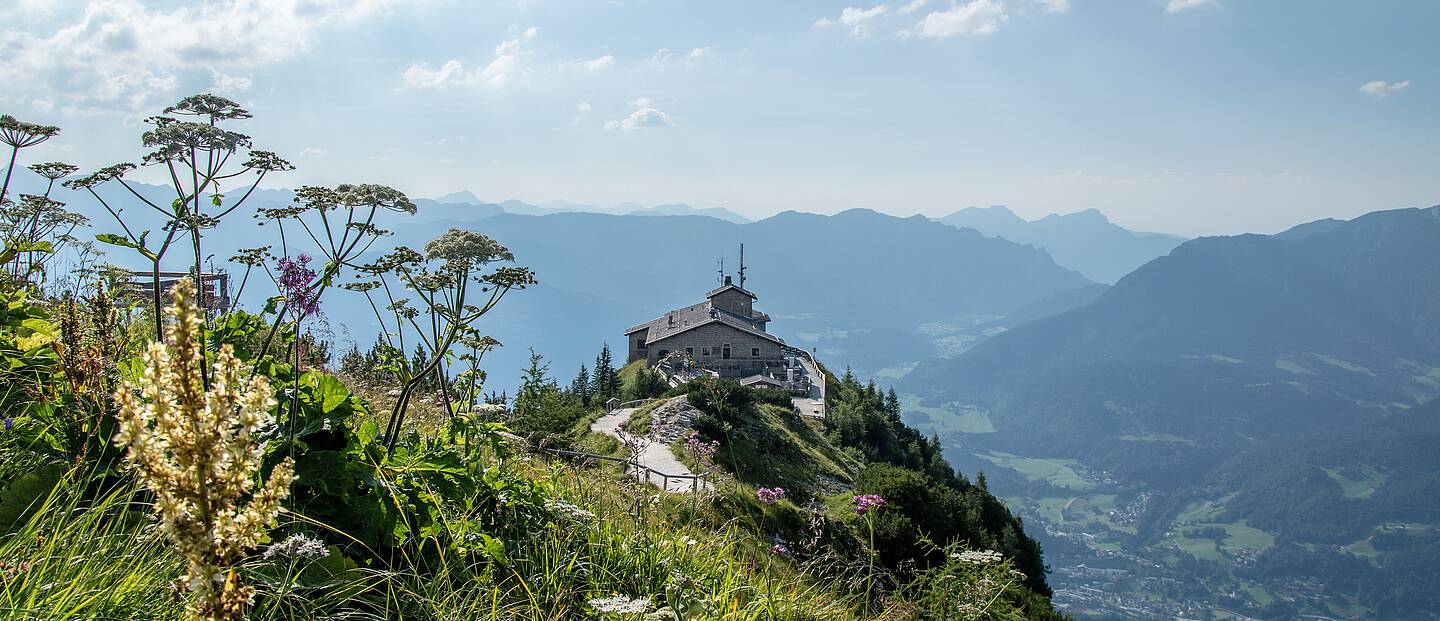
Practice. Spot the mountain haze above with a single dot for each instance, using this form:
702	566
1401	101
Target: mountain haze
1188	375
1085	241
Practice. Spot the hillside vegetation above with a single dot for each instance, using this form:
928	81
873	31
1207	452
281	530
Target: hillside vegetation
167	456
1272	386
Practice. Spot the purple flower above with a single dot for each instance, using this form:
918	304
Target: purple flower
863	504
770	495
702	450
9	423
779	549
295	277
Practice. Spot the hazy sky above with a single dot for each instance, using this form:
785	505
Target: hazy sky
1185	116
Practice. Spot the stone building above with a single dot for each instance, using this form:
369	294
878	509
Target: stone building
724	334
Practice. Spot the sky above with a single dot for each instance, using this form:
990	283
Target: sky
1193	117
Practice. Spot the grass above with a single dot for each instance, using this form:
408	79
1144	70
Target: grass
780	448
641	419
1057	472
106	560
945	420
1358	482
1238	535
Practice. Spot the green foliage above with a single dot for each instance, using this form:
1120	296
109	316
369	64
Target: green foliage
929	500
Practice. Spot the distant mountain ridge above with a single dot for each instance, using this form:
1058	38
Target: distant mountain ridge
1085	241
517	206
1235	375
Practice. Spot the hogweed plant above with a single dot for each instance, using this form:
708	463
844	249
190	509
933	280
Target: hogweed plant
197	449
18	135
453	270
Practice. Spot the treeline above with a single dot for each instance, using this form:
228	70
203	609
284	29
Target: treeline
934	503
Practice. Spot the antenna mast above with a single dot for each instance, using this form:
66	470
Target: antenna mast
720	270
742	265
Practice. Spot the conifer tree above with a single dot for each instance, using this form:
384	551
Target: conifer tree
581	386
605	379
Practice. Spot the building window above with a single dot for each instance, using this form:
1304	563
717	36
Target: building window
754	352
690	351
725	353
705	351
639	343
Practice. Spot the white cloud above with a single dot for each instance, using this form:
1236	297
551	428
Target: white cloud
1383	89
122	53
604	62
582	107
645	116
313	152
664	56
508	60
420	75
912	7
977	17
857	19
1176	6
1055	6
590	64
226	84
43	105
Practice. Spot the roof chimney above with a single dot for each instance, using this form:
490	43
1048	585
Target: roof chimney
727	280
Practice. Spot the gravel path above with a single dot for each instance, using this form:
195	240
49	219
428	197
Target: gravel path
657	456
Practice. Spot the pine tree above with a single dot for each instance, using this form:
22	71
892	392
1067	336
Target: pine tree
605	380
581	386
535	379
892	403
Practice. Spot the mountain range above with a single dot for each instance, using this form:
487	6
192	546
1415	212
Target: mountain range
1236	377
860	287
1085	241
516	206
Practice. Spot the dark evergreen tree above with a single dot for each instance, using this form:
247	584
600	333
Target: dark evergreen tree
605	380
581	386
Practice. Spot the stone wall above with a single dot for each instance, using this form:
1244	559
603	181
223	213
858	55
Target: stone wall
733	302
707	346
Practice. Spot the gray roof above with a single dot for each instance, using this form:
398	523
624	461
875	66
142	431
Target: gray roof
761	379
727	286
694	316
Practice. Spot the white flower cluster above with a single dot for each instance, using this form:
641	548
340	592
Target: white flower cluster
196	449
621	605
490	409
296	547
567	512
978	557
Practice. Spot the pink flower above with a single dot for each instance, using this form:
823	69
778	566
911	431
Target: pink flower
770	495
863	504
779	549
295	277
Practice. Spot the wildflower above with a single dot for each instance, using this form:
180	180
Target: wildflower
197	451
770	495
977	557
779	549
863	504
9	423
567	512
296	547
703	451
621	605
295	277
